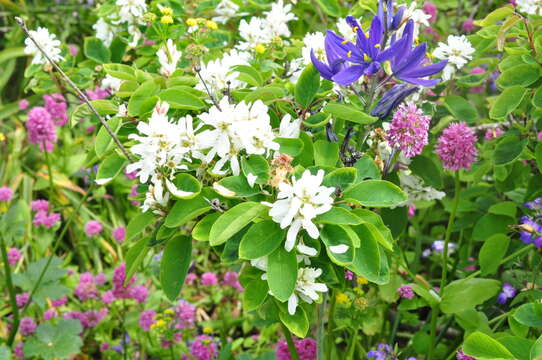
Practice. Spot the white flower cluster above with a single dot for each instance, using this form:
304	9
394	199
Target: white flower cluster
128	16
225	11
48	42
260	31
530	7
416	189
299	203
219	74
168	57
458	51
420	18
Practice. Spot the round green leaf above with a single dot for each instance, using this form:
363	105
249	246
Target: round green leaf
261	240
282	273
375	193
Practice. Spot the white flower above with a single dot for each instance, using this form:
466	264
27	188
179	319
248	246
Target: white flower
111	83
530	7
346	30
314	41
299	203
277	19
225	10
288	128
122	111
48	42
105	31
236	128
254	33
419	17
458	51
218	74
306	288
131	11
169	57
136	34
251	179
155	198
416	189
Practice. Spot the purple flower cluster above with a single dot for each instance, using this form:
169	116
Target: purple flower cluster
186	315
492	134
456	147
119	234
88	286
409	130
209	279
43	217
56	105
22	299
507	292
93	228
231	278
88	319
97	94
41	128
531	232
204	348
14	255
146	319
27	326
461	356
6	194
406	292
306	349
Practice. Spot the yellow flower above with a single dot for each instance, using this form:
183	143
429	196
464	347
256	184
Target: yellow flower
165	10
207	330
2	137
342	298
260	48
158	324
211	25
359	291
362	281
191	22
149	17
166	19
169	312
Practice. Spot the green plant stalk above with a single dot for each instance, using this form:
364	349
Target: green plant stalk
320	330
290	342
11	291
331	315
433	333
350	351
50	174
451	221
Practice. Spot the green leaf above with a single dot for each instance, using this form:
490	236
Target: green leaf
349	113
460	108
492	252
530	315
267	94
255	294
537	98
326	153
330	7
109	168
257	166
340	178
104	142
483	347
495	16
538	154
282	273
180	99
523	75
509	149
184	186
490	224
233	220
426	168
375	193
536	349
386	239
507	102
185	210
235	186
95	49
336	237
138	223
292	147
248	74
118	49
338	216
506	208
203	228
461	295
297	323
174	265
368	258
371	230
367	169
59	341
120	71
307	86
261	239
83	112
135	256
317	120
136	105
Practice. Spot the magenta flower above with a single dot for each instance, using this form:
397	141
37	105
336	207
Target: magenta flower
306	349
492	134
27	326
56	105
186	315
41	128
18	351
87	287
406	292
60	302
468	25
22	299
461	356
204	348
93	228
190	278
430	9
108	297
131	176
92	318
42	218
456	147
119	234
146	319
23	104
14	255
231	278
411	211
140	293
349	275
73	50
209	279
409	130
40	205
97	94
120	291
6	194
49	314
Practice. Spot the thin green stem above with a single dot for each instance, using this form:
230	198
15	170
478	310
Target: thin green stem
290	342
320	330
352	345
11	291
330	325
505	260
451	221
50	174
433	333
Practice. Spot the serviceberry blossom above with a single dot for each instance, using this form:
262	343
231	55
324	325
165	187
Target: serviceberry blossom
530	7
235	128
168	57
306	288
299	203
27	326
409	129
204	348
131	11
456	147
306	349
458	51
416	189
6	194
105	31
56	105
225	10
14	255
119	234
48	42
93	228
405	291
219	74
41	128
111	85
146	319
507	292
209	279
